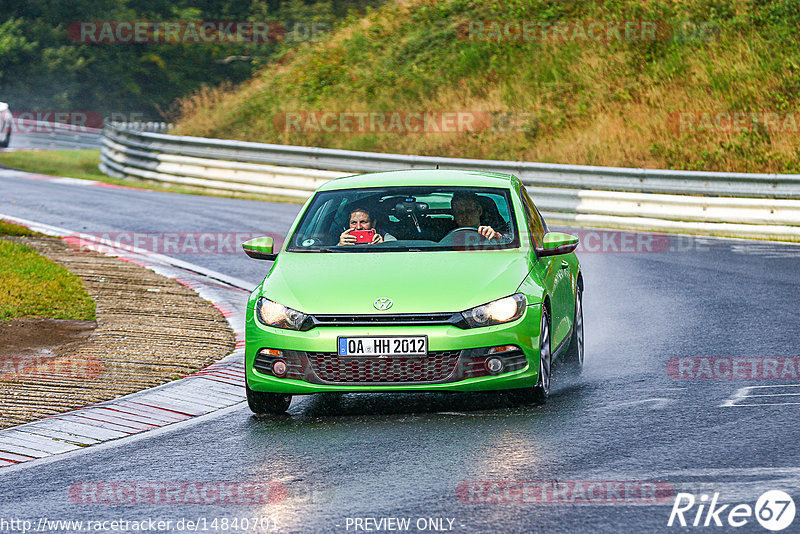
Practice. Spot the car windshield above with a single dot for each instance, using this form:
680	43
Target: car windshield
391	219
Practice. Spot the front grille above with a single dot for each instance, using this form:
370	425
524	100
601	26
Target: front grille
436	367
331	368
401	319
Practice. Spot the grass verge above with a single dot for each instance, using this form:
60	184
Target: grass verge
12	229
70	163
33	286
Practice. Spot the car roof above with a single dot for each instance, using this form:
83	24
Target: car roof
422	177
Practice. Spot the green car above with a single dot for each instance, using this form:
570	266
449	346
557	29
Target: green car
422	280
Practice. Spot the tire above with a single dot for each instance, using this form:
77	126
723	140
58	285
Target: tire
7	140
574	356
261	403
542	389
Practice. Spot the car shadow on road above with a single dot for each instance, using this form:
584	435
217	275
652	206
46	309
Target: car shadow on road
331	405
328	404
504	402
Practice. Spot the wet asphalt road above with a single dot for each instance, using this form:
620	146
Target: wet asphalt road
410	456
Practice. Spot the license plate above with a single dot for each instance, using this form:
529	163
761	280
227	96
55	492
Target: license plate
383	346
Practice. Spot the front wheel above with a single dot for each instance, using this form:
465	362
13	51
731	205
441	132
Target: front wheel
262	403
6	139
542	389
574	356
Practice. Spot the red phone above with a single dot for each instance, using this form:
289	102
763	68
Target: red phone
363	236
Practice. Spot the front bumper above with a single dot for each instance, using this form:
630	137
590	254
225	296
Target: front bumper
454	363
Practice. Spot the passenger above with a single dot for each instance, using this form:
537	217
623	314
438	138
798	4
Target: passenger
467	212
363	219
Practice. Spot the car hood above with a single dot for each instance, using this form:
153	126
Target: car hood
417	282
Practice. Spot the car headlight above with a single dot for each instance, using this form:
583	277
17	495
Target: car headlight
277	315
498	311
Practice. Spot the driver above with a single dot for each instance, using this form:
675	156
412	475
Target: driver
363	219
467	211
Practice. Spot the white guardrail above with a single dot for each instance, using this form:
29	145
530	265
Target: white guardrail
54	135
760	206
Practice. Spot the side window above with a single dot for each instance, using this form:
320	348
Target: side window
534	219
313	225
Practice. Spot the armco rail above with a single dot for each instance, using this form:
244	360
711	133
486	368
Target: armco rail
57	135
765	206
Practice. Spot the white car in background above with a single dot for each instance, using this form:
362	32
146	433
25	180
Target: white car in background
5	125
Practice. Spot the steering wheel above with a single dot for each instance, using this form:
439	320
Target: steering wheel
465	230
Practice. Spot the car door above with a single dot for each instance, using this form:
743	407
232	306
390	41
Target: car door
555	272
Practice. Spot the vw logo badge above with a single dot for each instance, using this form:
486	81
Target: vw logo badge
383	303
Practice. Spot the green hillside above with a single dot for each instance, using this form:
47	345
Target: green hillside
697	84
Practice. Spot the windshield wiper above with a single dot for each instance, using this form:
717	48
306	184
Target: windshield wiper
320	249
303	250
361	249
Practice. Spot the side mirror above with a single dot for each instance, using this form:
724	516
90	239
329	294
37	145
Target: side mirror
259	248
555	243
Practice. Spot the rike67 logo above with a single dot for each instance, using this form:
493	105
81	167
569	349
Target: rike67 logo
774	510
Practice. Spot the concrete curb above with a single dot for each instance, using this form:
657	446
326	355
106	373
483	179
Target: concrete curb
216	387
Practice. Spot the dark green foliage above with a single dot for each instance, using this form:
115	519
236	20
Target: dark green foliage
42	69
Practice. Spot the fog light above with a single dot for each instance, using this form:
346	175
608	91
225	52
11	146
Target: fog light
494	365
279	368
